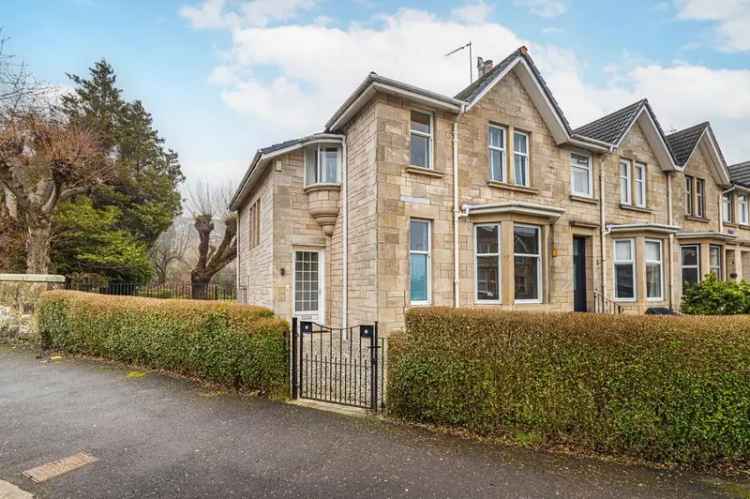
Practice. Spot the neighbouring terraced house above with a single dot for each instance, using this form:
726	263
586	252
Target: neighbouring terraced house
486	199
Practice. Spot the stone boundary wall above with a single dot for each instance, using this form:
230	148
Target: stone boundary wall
19	294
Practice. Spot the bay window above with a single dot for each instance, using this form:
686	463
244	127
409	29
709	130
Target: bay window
624	269
487	255
520	158
322	164
625	182
654	272
581	178
715	261
691	260
419	261
527	263
421	139
496	141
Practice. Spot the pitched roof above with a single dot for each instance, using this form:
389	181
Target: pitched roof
683	142
475	89
740	173
612	127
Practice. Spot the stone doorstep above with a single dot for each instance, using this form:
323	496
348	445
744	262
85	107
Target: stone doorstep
330	407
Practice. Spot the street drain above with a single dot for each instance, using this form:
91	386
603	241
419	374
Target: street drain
57	468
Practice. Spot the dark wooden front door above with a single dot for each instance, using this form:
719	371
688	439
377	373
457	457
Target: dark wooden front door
579	274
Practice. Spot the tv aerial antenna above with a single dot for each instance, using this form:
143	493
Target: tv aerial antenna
471	62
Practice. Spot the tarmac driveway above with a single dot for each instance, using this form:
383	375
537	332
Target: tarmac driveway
155	436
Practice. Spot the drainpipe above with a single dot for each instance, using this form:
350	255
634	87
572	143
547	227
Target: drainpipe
344	237
456	214
602	227
670	218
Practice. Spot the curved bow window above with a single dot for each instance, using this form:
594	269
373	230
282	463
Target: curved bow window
322	164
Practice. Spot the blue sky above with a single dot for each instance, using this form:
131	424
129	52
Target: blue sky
224	77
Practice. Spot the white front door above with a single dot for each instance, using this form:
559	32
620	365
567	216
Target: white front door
309	296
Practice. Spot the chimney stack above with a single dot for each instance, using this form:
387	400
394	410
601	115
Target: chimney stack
483	67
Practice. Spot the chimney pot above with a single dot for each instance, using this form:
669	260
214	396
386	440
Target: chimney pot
483	66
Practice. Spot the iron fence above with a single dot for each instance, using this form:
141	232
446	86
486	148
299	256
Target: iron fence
180	290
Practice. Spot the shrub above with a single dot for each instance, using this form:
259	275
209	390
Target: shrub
715	297
222	342
669	389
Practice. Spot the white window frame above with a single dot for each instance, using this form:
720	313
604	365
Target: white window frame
589	173
539	276
319	150
700	197
628	178
503	150
697	265
524	155
711	248
659	262
690	187
429	136
499	264
727	205
640	184
428	253
616	262
743	205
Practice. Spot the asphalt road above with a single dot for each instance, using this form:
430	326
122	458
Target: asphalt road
155	436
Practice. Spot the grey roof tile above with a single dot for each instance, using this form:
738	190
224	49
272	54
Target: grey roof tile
612	127
683	142
740	173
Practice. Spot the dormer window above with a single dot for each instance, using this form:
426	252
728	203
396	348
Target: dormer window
322	164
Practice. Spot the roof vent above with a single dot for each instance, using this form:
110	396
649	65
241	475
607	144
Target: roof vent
483	67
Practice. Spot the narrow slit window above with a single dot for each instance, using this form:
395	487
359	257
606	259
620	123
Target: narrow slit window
521	158
654	272
625	183
419	261
496	141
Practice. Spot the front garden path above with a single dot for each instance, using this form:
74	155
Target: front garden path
155	436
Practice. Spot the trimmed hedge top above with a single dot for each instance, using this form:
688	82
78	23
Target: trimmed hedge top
673	389
224	342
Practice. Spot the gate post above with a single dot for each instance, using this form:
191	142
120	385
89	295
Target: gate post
374	368
293	339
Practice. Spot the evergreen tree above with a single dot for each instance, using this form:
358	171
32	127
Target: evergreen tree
147	175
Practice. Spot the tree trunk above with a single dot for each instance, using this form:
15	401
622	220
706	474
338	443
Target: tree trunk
199	282
37	248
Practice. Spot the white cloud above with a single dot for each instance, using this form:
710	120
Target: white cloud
473	13
239	13
288	79
732	18
543	8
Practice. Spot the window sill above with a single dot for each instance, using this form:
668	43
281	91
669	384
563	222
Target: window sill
419	170
730	225
694	218
635	208
322	187
527	302
583	199
745	226
511	187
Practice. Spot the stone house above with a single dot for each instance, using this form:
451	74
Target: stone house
488	199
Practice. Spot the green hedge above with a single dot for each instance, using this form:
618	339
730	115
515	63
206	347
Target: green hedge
715	297
237	345
667	389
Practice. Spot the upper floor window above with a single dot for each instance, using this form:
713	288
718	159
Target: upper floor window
496	143
419	261
521	158
640	185
726	208
689	209
322	164
626	180
581	182
527	249
700	197
743	207
254	223
421	139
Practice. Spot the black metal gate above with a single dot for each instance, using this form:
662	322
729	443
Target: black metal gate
337	365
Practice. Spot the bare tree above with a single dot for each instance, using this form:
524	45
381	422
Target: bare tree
170	248
208	205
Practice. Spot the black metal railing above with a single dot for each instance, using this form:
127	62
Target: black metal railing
338	365
180	290
603	305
